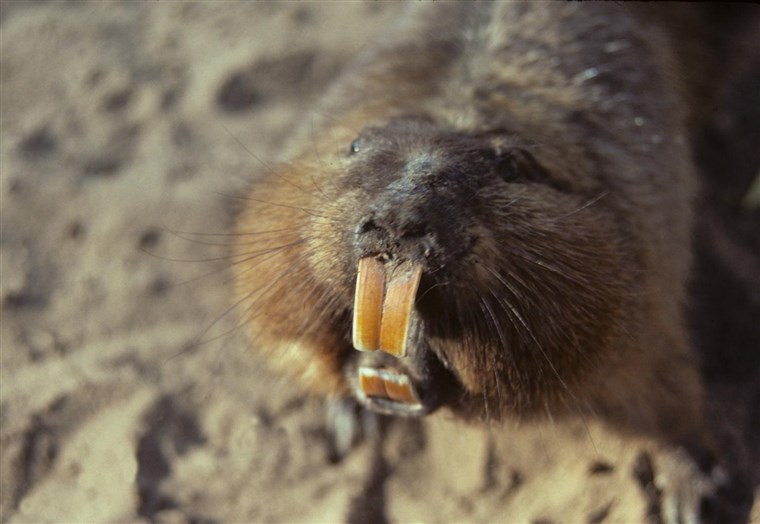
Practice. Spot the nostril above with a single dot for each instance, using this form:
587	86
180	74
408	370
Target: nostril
401	232
371	237
415	230
366	225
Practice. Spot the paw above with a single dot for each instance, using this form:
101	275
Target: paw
683	487
347	425
679	491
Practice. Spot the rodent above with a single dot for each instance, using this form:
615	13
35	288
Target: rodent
533	160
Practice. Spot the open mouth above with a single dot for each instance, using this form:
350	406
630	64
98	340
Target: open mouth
389	391
383	315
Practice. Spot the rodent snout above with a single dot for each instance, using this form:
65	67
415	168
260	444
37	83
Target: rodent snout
401	230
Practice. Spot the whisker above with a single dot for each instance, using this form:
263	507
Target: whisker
319	159
258	241
337	122
200	277
240	322
528	329
222	258
577	402
486	307
254	254
578	279
505	306
226	244
472	320
233	234
273	252
588	204
275	204
194	260
269	168
428	290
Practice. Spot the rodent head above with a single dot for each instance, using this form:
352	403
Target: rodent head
522	288
409	190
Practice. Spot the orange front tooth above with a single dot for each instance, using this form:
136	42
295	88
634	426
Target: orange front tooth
402	285
401	391
371	383
387	384
368	304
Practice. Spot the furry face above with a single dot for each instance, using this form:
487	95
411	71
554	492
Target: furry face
509	316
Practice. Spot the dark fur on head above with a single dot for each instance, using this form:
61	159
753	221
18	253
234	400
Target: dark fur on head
513	258
534	159
546	197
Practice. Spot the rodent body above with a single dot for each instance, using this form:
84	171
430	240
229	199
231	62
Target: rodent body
534	159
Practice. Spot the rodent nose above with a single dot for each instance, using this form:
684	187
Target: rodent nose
396	231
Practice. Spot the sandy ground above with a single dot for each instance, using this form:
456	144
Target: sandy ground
127	393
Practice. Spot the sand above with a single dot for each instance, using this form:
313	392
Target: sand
127	390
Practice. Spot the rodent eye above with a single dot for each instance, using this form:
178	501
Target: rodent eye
356	146
519	165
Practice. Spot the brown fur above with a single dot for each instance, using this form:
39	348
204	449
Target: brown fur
535	159
575	276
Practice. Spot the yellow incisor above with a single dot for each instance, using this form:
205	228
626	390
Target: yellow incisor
383	305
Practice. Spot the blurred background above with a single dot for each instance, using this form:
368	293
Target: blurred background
127	393
124	131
